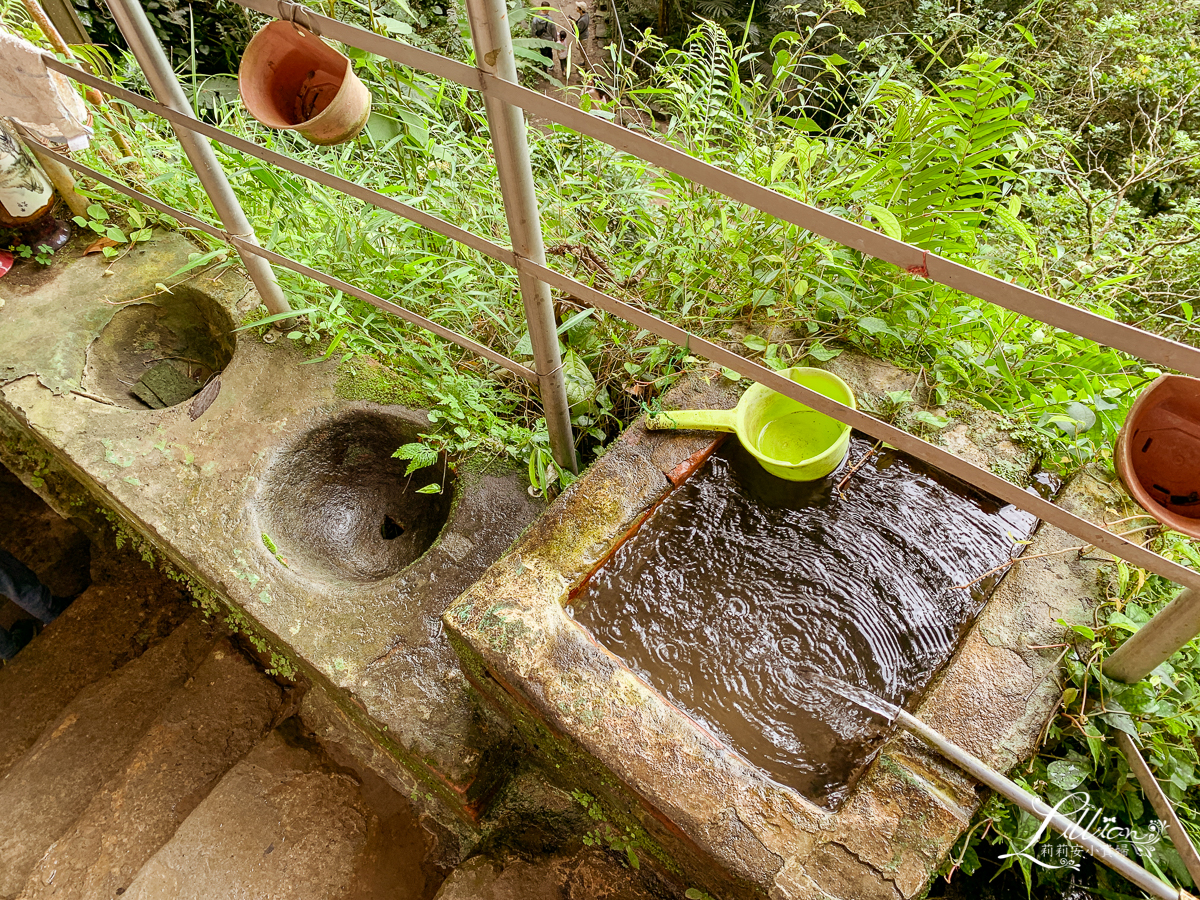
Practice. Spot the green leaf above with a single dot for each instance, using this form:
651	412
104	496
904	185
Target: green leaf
754	342
821	353
434	488
933	420
195	260
1081	420
875	326
888	223
1121	721
279	317
579	317
581	385
419	456
1066	774
97	212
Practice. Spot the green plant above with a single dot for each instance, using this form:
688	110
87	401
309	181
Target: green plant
98	221
43	253
605	834
948	158
1079	765
273	550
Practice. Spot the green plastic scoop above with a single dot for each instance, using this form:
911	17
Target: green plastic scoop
789	439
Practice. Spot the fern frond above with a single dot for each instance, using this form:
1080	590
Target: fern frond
418	455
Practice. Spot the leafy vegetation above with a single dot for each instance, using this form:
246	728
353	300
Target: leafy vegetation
948	165
1050	144
1081	768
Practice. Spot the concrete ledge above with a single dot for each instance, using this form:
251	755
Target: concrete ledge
183	490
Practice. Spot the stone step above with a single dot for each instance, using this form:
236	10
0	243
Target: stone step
282	824
586	875
106	627
48	788
214	720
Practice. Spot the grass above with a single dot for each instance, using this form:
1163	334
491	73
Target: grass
947	169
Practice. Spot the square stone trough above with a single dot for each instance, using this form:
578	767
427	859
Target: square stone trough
279	504
675	792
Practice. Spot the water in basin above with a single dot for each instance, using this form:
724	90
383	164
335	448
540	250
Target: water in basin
741	584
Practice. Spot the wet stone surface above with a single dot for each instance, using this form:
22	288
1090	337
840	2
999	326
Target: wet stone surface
337	504
157	354
741	586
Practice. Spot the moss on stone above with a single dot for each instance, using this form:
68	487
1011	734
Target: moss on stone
371	381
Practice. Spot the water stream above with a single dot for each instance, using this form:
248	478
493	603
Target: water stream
741	585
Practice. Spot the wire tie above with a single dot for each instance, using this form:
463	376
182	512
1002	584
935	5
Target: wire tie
923	268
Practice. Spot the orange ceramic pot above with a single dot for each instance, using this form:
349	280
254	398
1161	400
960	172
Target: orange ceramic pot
1158	452
291	79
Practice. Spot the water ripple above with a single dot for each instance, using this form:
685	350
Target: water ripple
744	595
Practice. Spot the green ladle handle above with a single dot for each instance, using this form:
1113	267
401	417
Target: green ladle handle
705	419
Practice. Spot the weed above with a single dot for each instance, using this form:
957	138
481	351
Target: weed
605	834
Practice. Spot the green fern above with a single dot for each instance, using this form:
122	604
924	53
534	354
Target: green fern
943	162
418	455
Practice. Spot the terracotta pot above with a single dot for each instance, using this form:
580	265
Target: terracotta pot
1158	452
290	79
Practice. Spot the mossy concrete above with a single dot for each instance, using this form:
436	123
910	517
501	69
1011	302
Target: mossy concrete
183	491
686	798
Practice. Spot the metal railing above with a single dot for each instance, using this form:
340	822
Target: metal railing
504	99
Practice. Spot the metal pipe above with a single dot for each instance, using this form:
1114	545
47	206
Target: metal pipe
135	27
1045	813
1162	805
494	56
1157	640
288	263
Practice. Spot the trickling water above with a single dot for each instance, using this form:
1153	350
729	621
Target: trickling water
741	585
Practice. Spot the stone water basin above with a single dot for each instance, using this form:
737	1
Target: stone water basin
741	584
691	795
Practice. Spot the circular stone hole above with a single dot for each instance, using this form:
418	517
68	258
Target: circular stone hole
160	353
336	504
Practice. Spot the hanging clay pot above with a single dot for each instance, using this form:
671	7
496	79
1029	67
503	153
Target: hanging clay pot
1158	452
291	79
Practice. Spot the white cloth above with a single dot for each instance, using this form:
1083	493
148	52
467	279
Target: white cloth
40	99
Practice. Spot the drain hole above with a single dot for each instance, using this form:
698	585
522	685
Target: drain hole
390	529
1146	446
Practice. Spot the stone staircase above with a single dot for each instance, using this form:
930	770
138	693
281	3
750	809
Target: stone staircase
142	754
